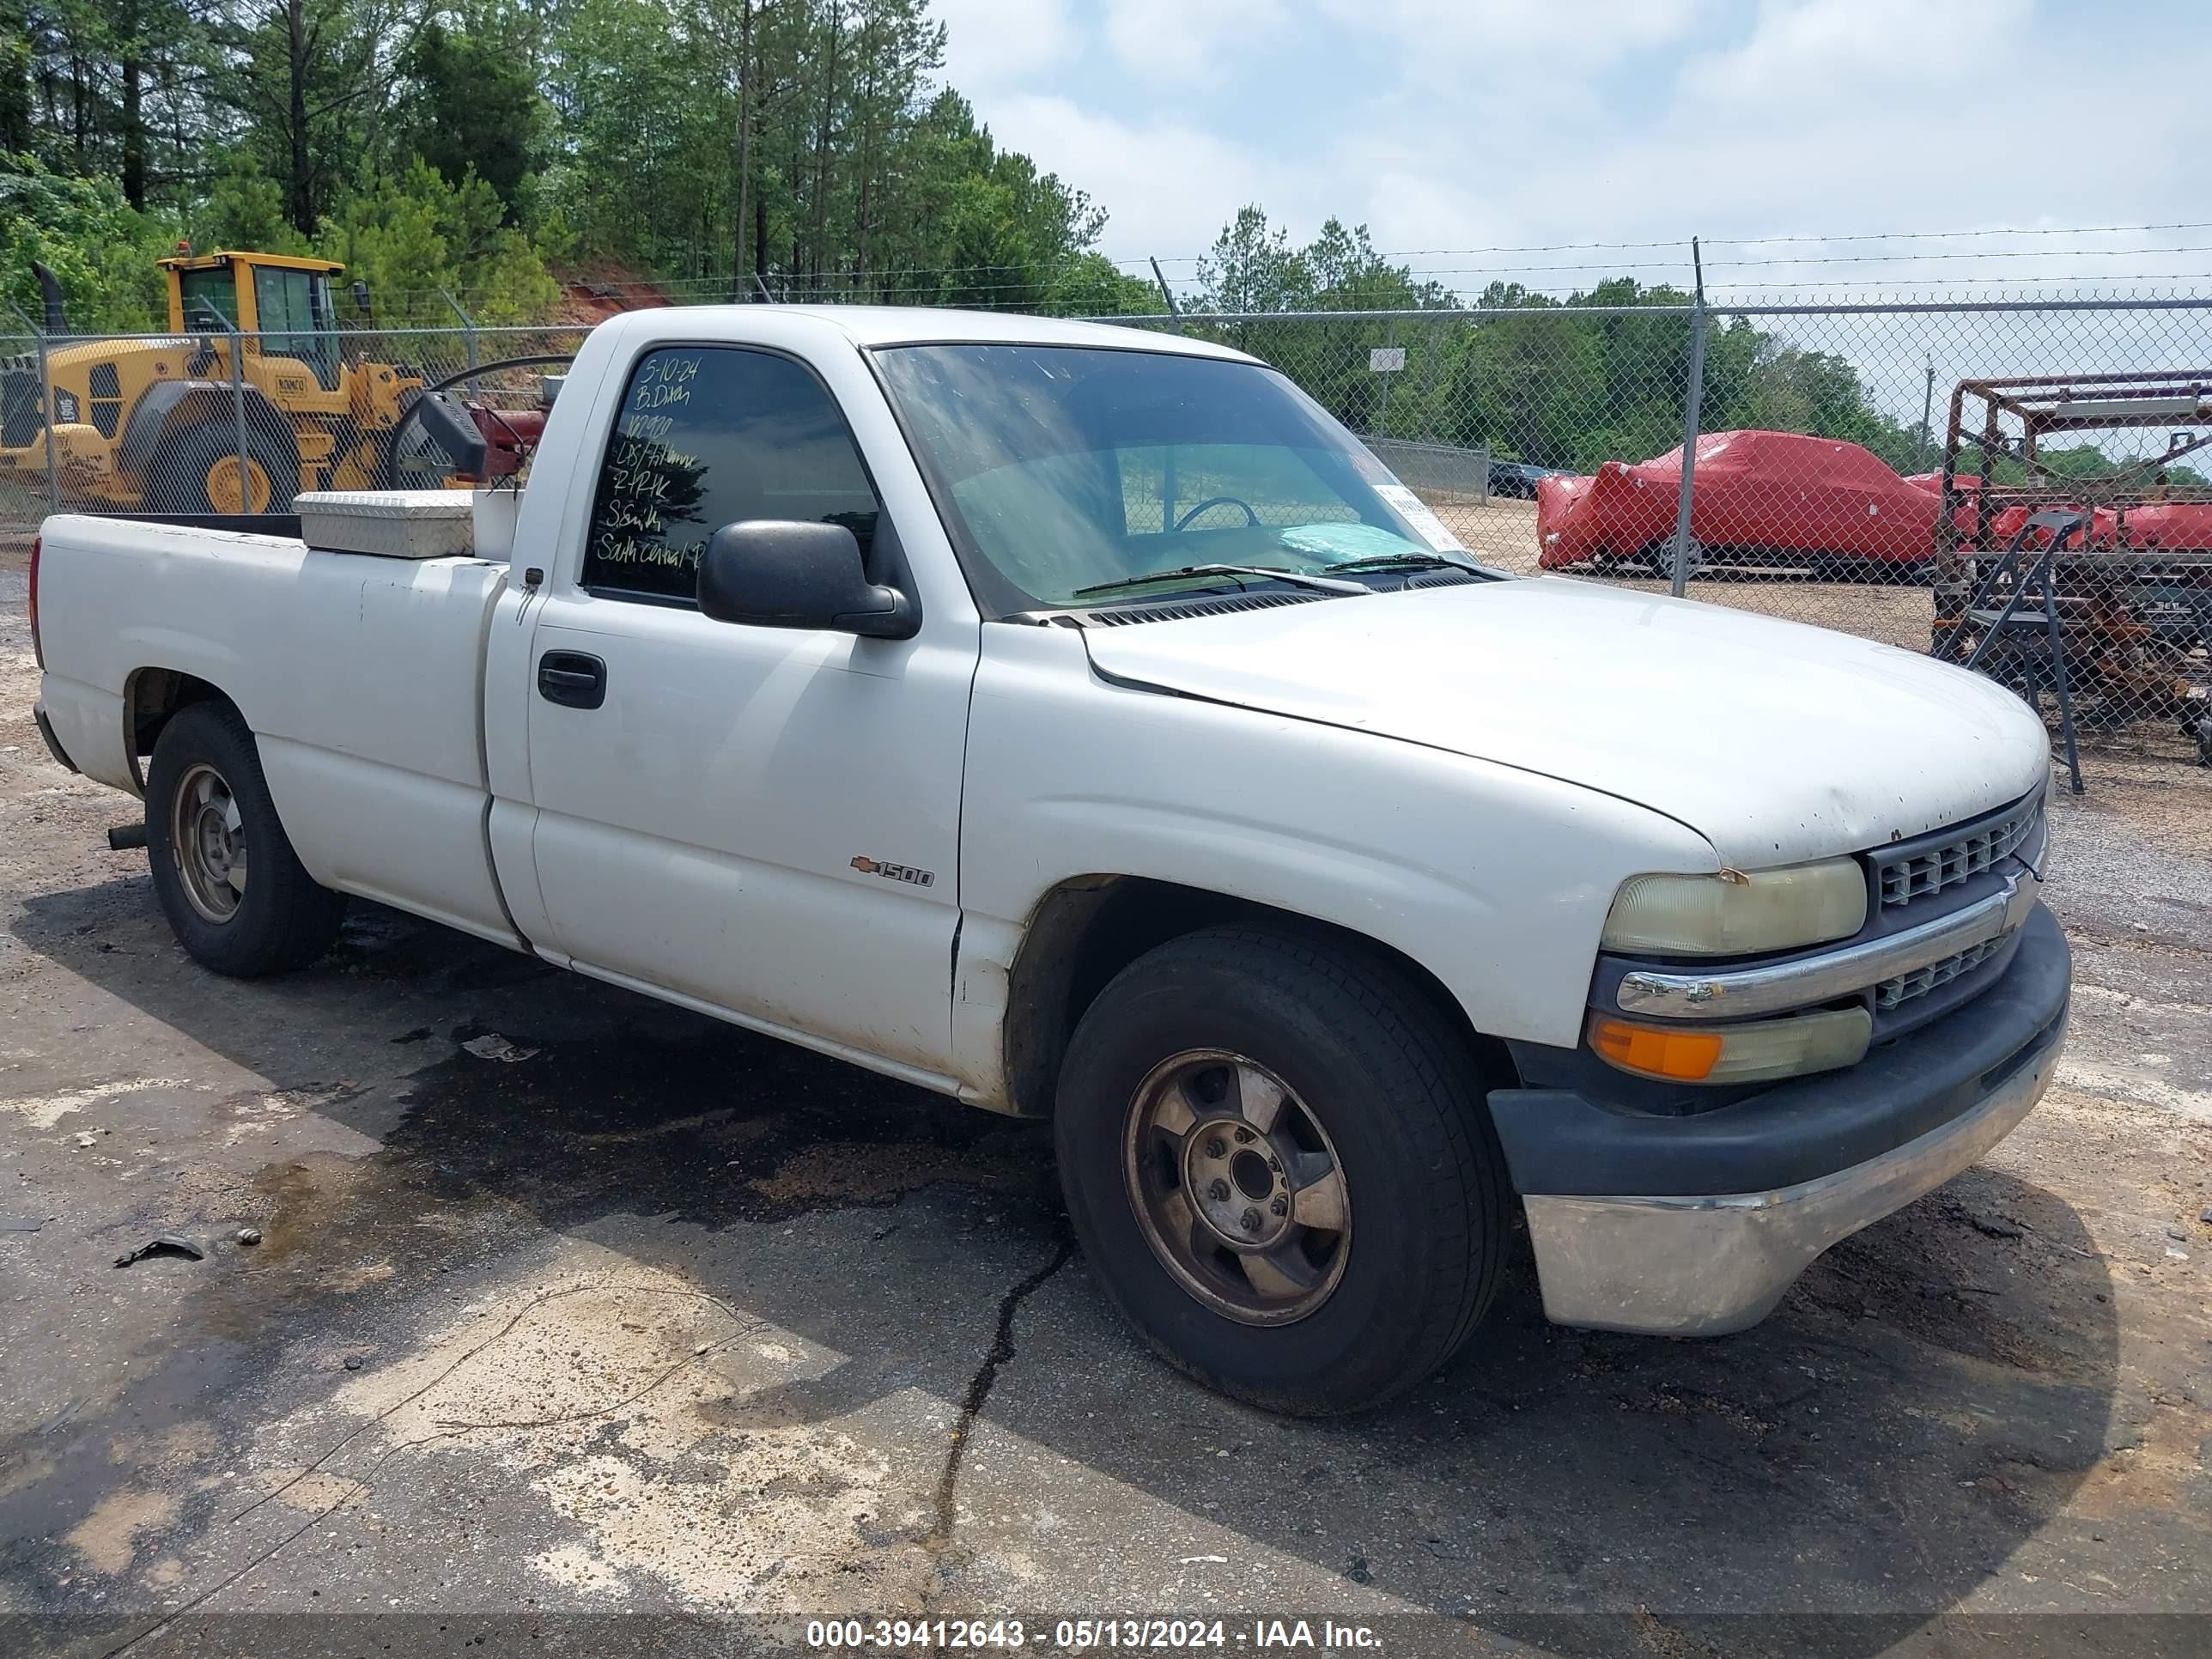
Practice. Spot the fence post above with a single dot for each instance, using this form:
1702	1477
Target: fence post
1431	353
238	413
468	338
1928	414
1685	492
1382	408
47	405
1174	317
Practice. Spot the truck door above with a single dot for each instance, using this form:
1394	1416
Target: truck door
761	820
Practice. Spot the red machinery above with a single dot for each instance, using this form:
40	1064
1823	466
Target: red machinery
1760	497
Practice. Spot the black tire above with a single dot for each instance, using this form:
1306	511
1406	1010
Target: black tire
1395	1090
283	918
180	480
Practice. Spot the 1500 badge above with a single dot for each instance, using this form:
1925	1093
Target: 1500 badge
905	872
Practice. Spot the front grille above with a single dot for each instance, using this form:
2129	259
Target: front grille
19	407
1967	852
1921	981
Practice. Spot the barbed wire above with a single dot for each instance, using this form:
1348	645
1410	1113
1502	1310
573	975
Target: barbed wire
1739	241
929	284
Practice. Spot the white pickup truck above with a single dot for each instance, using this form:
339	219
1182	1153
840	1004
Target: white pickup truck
1079	722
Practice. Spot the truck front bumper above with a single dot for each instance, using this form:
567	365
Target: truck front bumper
1695	1226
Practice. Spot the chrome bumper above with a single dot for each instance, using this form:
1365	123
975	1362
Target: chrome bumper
1704	1267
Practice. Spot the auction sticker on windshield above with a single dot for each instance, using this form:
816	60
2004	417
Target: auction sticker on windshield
1415	512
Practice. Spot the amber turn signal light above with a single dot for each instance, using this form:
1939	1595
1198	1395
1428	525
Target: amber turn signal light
1685	1056
1819	1040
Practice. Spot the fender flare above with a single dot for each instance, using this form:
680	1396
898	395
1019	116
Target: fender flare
172	404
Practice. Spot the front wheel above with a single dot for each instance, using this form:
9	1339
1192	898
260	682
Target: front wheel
235	893
201	470
1279	1161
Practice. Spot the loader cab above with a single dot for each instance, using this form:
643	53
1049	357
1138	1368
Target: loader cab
284	300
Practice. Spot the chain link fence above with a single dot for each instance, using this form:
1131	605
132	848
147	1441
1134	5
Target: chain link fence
225	423
2023	484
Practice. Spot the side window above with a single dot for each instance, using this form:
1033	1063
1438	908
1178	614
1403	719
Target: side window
709	435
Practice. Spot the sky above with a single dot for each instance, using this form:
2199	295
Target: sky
1538	125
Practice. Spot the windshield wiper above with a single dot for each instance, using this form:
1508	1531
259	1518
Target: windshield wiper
1406	562
1297	578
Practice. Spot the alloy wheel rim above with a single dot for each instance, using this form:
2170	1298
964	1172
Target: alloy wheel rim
1236	1186
207	834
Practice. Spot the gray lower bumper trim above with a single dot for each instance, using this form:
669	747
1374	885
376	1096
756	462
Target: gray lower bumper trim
1704	1267
46	730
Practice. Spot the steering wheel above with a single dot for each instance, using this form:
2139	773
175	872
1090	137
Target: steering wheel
1251	519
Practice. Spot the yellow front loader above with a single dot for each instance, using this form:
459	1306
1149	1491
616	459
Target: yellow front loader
158	424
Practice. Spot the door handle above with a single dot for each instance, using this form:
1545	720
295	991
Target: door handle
574	679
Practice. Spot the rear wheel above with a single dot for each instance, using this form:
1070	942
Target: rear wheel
201	470
233	889
1658	558
1279	1161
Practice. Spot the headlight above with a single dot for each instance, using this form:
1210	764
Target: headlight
1790	1047
1736	914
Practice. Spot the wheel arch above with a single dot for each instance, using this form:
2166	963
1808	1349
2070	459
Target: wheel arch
167	409
152	697
1086	929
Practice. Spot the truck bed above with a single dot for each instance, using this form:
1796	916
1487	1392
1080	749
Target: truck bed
362	677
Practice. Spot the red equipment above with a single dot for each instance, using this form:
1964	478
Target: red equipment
509	435
1760	496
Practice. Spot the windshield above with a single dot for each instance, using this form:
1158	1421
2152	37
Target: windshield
1068	468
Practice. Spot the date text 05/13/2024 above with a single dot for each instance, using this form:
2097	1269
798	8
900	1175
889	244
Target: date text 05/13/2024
1091	1635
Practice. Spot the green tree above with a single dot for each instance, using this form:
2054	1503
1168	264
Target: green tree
15	122
468	102
415	237
100	246
307	85
1091	285
1792	389
1254	267
244	208
106	87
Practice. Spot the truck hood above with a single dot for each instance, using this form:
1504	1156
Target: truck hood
1775	741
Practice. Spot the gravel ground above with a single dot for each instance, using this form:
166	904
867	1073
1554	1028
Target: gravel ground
667	1337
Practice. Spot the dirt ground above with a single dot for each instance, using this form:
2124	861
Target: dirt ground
1502	531
665	1337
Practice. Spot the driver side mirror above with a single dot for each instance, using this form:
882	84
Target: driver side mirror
788	573
361	296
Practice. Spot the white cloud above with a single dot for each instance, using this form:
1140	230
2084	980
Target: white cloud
1496	42
1828	51
1167	184
994	44
1874	115
1465	124
1192	41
